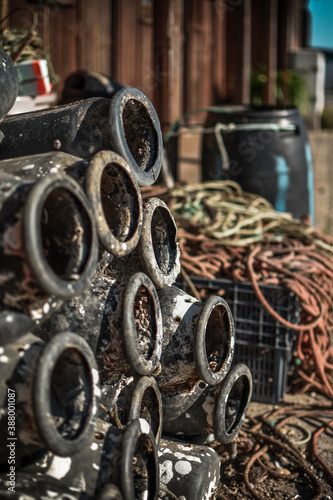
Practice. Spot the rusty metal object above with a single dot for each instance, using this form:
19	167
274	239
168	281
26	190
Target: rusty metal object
54	405
219	410
188	471
125	457
127	124
121	321
48	242
128	398
110	186
8	84
198	340
157	254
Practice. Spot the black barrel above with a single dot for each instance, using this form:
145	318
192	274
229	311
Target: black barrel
266	150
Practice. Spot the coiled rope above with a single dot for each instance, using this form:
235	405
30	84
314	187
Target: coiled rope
224	232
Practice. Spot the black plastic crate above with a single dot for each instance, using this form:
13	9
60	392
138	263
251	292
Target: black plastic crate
262	343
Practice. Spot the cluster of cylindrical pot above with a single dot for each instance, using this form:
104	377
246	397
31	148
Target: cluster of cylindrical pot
109	373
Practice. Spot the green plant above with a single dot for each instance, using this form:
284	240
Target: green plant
290	88
258	80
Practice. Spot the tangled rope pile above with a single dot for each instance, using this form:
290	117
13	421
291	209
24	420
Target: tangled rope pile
280	446
225	232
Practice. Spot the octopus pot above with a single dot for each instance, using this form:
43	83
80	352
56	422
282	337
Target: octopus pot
128	398
25	486
198	340
48	242
127	124
121	321
110	185
8	84
219	410
83	84
188	471
126	458
158	253
13	325
49	394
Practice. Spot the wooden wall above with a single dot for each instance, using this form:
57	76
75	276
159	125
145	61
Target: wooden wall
184	54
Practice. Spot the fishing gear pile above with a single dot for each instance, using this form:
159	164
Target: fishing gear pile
225	232
102	358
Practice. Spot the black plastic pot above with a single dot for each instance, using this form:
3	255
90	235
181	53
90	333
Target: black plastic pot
13	325
81	129
233	401
48	242
37	487
121	321
125	457
8	84
136	133
198	340
127	124
115	197
110	185
176	403
50	394
157	254
219	410
128	398
83	84
188	471
266	150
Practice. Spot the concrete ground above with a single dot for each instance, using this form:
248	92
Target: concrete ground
322	150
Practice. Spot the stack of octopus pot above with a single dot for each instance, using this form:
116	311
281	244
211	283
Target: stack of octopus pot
112	380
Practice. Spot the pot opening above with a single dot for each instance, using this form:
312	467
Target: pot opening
236	403
143	469
70	394
145	321
164	239
217	338
150	409
140	134
66	234
76	81
120	202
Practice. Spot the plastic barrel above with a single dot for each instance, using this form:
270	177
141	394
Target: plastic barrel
266	150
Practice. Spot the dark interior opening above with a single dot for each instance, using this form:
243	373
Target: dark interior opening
140	134
66	234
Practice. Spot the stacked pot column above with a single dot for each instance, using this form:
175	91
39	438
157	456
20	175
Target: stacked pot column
84	257
106	149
